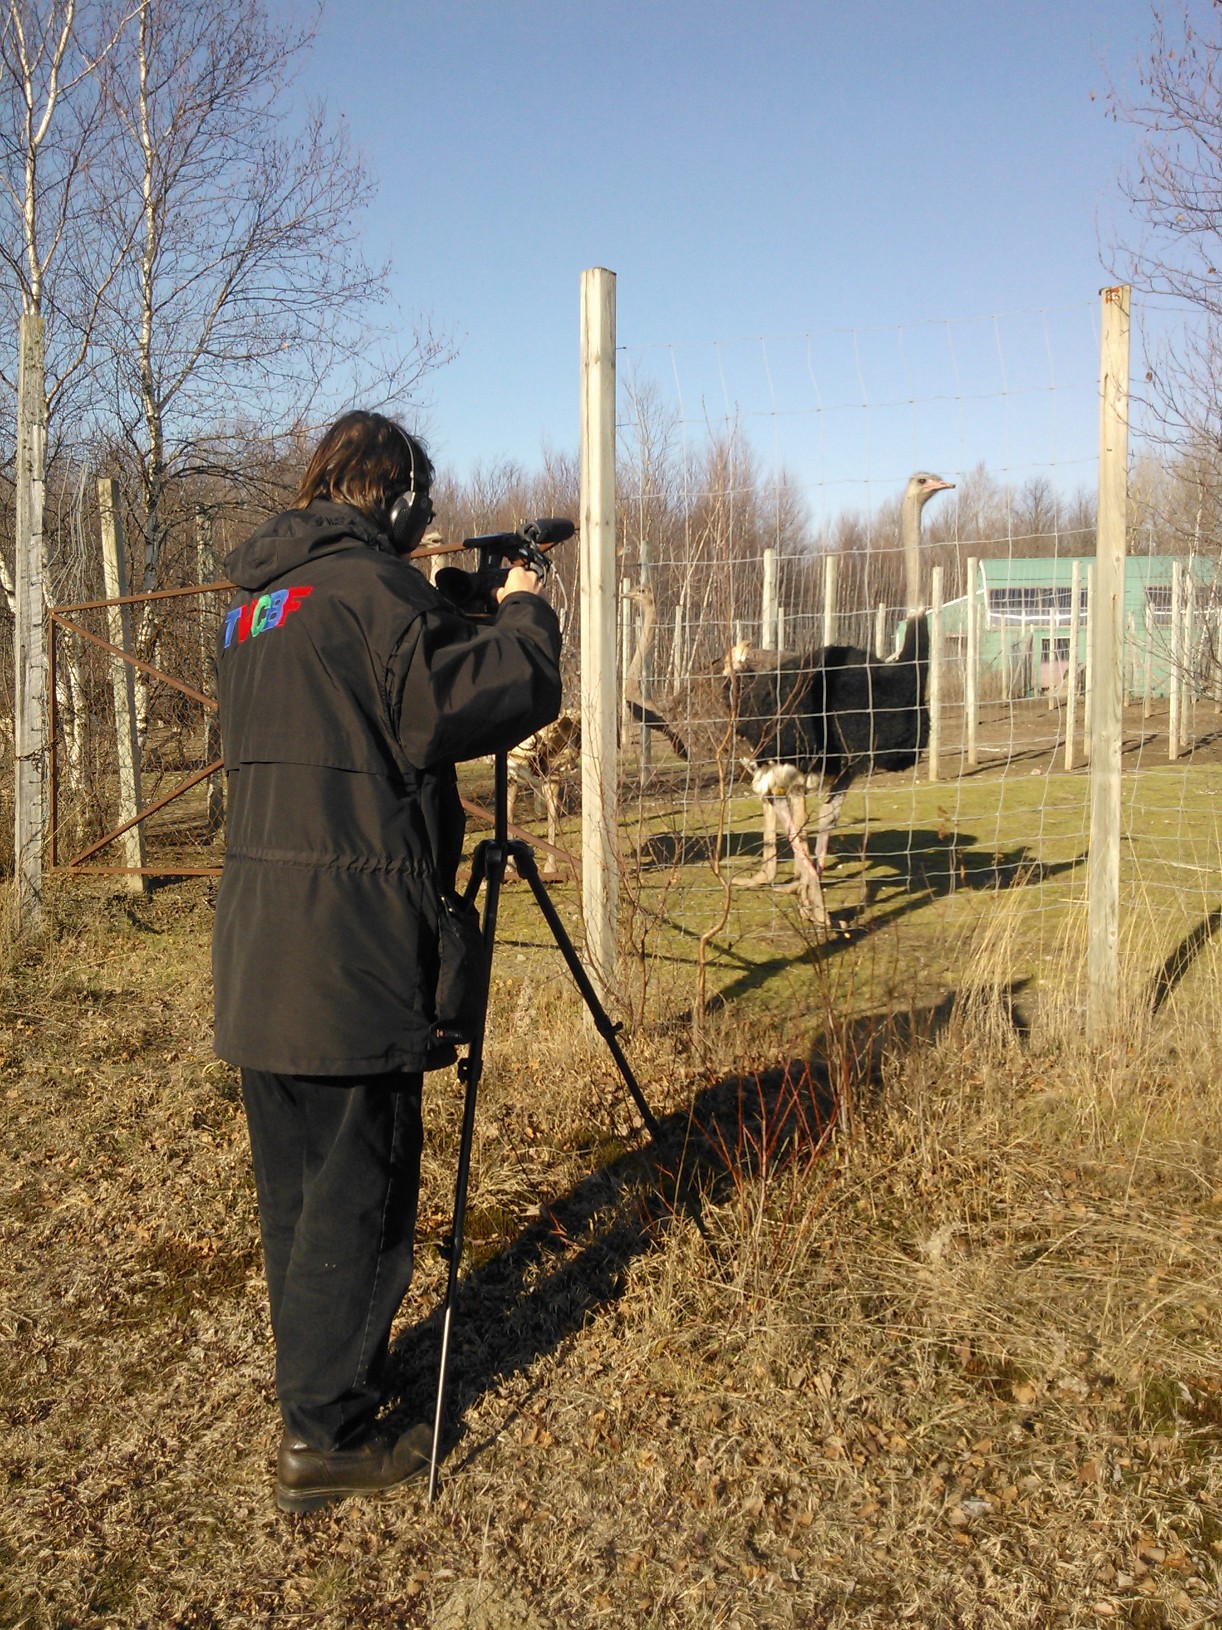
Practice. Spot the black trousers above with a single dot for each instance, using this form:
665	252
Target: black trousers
337	1172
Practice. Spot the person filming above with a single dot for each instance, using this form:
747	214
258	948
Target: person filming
349	689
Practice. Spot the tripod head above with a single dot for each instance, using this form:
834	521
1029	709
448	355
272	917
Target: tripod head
475	592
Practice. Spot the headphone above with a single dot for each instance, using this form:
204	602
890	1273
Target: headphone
411	511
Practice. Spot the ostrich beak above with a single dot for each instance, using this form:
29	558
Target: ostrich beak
936	484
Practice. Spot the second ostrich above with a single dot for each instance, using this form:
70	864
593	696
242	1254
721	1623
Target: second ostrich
831	714
546	763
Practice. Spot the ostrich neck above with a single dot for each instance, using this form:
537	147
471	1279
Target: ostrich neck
636	668
910	541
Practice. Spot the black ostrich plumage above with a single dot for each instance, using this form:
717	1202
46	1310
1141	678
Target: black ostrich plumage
838	710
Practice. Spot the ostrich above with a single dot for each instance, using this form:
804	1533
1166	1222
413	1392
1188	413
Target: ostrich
832	714
547	763
783	674
846	712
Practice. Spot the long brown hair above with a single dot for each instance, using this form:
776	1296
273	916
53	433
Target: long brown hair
364	459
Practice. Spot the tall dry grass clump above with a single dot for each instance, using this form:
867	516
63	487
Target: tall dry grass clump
990	1299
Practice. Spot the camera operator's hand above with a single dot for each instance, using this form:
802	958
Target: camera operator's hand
520	580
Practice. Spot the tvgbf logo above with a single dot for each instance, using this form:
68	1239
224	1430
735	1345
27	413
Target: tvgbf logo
261	615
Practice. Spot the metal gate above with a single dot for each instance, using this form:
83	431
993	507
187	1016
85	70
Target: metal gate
148	782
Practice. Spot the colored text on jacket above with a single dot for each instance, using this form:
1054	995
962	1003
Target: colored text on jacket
267	612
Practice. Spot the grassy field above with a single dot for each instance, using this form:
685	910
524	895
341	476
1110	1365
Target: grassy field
943	1351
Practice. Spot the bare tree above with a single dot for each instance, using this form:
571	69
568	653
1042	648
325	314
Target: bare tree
51	135
49	121
247	304
1174	187
184	251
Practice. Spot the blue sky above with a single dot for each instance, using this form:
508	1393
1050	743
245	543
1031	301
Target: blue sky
871	232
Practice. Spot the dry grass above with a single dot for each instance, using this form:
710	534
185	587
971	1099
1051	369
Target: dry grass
954	1361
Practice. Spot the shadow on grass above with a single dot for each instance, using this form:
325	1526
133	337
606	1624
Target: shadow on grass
920	857
923	865
522	1302
935	868
1182	958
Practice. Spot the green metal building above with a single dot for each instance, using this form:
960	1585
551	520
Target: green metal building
1025	612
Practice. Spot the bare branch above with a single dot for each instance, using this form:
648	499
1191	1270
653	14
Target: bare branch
1174	187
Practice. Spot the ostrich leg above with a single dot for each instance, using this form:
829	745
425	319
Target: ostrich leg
829	814
795	821
796	801
781	790
810	888
551	800
767	871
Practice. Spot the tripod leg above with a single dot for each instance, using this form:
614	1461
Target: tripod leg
524	858
488	867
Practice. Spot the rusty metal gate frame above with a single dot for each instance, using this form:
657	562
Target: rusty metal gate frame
60	617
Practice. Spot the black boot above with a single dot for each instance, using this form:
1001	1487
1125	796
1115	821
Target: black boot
309	1478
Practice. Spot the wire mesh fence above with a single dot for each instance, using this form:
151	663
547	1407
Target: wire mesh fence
764	514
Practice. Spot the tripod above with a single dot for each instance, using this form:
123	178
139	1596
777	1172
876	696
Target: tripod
488	866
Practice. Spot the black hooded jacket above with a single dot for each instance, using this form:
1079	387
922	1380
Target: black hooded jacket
348	689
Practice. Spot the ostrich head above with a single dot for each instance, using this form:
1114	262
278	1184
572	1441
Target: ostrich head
923	485
738	659
921	488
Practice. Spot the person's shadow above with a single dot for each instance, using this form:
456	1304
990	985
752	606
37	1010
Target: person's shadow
526	1299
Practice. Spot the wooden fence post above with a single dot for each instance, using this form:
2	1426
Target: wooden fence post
1175	700
1089	682
1106	626
122	680
971	671
1024	657
1133	678
646	634
627	610
208	571
1188	685
935	672
1071	677
831	590
768	608
29	634
599	810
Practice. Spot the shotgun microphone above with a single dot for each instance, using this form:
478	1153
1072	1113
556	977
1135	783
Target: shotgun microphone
548	530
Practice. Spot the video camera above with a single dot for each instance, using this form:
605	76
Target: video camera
475	592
